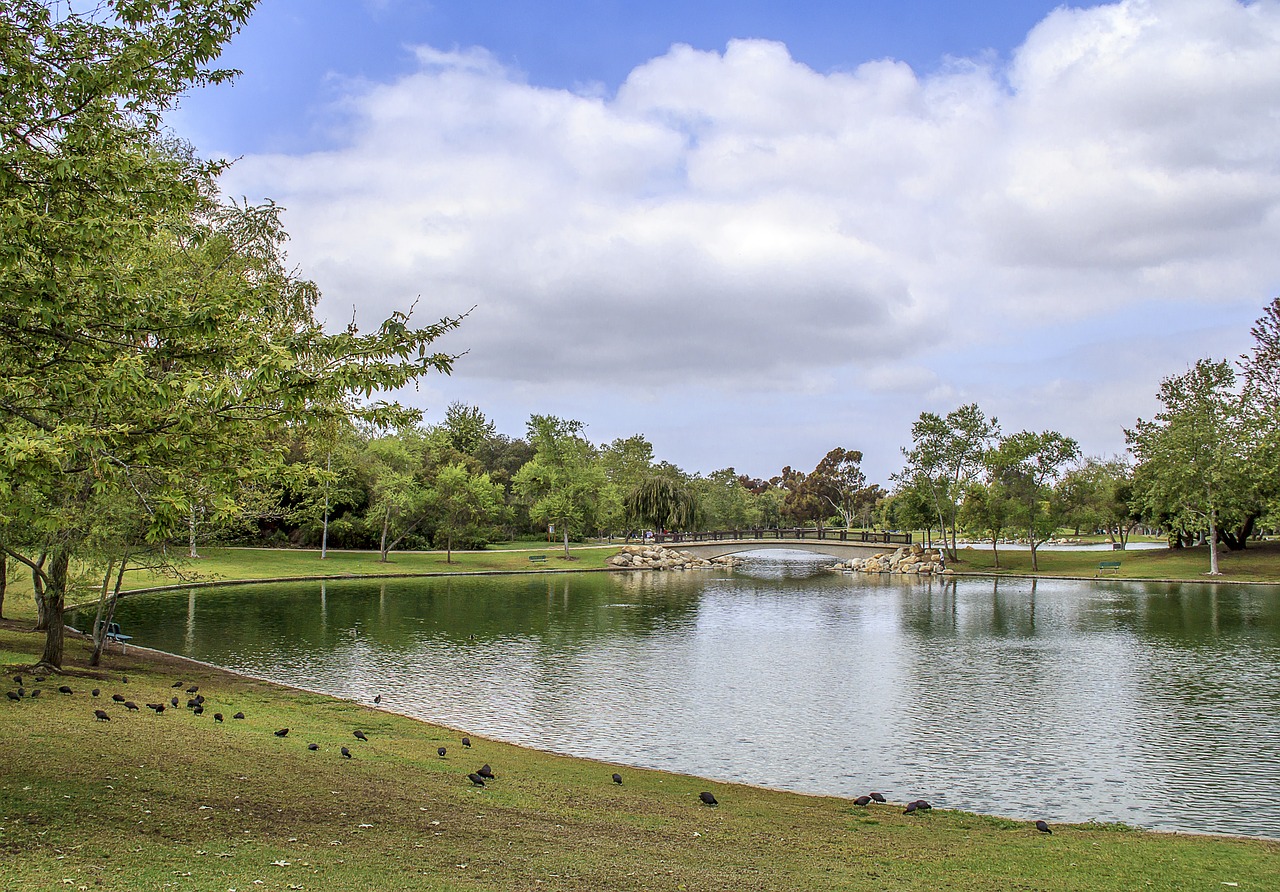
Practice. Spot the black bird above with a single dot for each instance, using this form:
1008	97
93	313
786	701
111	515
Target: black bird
707	799
346	753
238	715
199	710
193	689
283	732
200	699
475	779
217	716
377	699
911	807
486	772
17	679
130	705
178	684
877	797
95	692
35	693
359	735
124	679
862	800
441	750
22	692
173	701
922	805
157	707
191	704
617	778
63	689
38	677
1043	827
119	698
466	741
313	746
13	695
102	716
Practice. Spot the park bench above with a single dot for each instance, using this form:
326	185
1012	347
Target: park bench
114	634
1104	566
538	558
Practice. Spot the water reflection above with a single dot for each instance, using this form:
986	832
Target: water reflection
1154	704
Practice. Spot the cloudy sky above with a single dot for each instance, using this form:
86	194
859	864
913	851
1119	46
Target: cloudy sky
754	231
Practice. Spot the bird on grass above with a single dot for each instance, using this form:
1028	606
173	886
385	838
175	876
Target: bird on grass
178	684
878	797
191	704
238	715
862	800
199	710
486	772
359	735
173	701
441	751
346	753
35	693
95	692
313	746
17	679
707	799
1043	827
217	717
156	707
130	705
466	741
124	679
102	716
193	689
922	805
13	695
63	689
476	779
283	732
200	699
910	809
119	698
617	778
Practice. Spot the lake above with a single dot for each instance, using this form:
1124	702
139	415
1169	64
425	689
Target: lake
1156	705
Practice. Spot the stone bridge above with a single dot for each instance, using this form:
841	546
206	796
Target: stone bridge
842	544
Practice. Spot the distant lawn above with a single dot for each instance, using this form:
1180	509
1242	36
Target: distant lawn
1260	562
179	801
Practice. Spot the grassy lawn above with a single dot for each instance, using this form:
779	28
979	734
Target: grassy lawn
179	801
1260	562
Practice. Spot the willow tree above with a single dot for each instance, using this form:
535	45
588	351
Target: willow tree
665	503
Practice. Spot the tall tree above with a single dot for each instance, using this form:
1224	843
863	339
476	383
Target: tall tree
946	456
464	501
1192	457
563	480
1027	465
838	480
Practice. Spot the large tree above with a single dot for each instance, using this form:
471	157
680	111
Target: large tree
946	456
1027	465
562	482
1193	456
149	336
839	481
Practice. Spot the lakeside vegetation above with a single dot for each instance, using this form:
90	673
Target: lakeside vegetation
181	801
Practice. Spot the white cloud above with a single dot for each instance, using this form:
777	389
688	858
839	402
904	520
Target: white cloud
738	217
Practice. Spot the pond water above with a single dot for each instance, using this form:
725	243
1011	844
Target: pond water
1153	704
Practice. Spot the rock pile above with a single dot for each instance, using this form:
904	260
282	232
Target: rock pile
907	559
655	557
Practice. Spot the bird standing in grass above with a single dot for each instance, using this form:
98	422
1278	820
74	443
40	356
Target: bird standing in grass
617	778
130	705
441	751
173	701
486	772
878	797
63	689
862	800
359	735
12	695
466	741
1043	827
707	799
217	717
95	692
119	698
476	779
178	684
346	753
283	732
313	746
238	715
102	716
910	809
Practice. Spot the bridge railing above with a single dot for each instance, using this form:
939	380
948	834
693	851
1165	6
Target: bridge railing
866	536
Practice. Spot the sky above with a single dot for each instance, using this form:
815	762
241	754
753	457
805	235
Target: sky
756	231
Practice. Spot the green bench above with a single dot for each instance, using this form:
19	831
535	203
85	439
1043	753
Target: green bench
538	558
1104	566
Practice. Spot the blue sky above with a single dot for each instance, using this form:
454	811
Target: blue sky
757	231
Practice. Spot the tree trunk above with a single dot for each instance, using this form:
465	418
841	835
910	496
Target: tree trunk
55	599
37	589
191	534
324	535
448	545
1237	539
995	552
1213	544
1031	537
382	547
566	542
100	628
4	579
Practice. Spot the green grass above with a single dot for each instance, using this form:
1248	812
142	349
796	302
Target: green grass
177	801
1260	562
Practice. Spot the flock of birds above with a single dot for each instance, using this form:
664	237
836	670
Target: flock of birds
479	778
